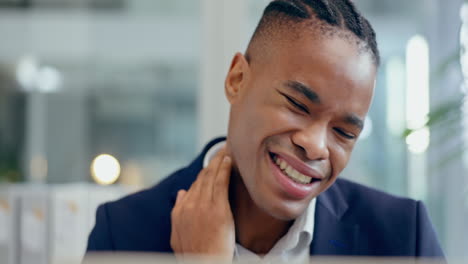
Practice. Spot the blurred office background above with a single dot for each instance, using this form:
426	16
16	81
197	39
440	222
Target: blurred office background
123	92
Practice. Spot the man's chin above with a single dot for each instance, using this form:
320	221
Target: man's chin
279	206
286	215
286	211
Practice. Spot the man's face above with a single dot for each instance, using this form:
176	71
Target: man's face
296	113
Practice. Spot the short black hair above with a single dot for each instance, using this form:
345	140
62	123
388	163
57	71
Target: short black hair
328	16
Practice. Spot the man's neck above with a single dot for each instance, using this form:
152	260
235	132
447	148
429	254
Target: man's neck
255	229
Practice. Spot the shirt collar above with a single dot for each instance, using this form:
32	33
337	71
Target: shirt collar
212	152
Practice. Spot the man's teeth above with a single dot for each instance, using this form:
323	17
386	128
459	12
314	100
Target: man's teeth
292	173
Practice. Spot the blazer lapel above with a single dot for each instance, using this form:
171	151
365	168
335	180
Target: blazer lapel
332	235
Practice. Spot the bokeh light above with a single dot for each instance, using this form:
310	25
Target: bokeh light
105	169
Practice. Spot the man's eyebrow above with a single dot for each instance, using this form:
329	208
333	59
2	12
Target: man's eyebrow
304	90
354	120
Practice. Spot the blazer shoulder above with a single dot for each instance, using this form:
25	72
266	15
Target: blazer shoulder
392	225
373	208
134	221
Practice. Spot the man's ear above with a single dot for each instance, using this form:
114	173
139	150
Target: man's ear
236	77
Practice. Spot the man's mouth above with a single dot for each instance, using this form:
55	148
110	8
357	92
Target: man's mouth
289	171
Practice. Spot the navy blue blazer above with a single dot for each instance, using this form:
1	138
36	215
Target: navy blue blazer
350	219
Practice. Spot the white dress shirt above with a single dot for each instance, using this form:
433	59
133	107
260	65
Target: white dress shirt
294	247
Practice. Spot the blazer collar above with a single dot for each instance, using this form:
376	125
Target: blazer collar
333	234
333	200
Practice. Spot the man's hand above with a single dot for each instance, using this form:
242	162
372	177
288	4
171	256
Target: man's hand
202	221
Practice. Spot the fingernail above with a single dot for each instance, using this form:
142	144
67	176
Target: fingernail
227	159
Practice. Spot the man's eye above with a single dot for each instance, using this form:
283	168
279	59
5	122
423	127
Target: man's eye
297	104
344	134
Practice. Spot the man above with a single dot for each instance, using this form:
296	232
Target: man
270	190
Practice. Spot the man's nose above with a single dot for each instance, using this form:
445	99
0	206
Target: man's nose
313	141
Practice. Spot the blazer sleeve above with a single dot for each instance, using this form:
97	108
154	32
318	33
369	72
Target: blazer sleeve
427	244
100	238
